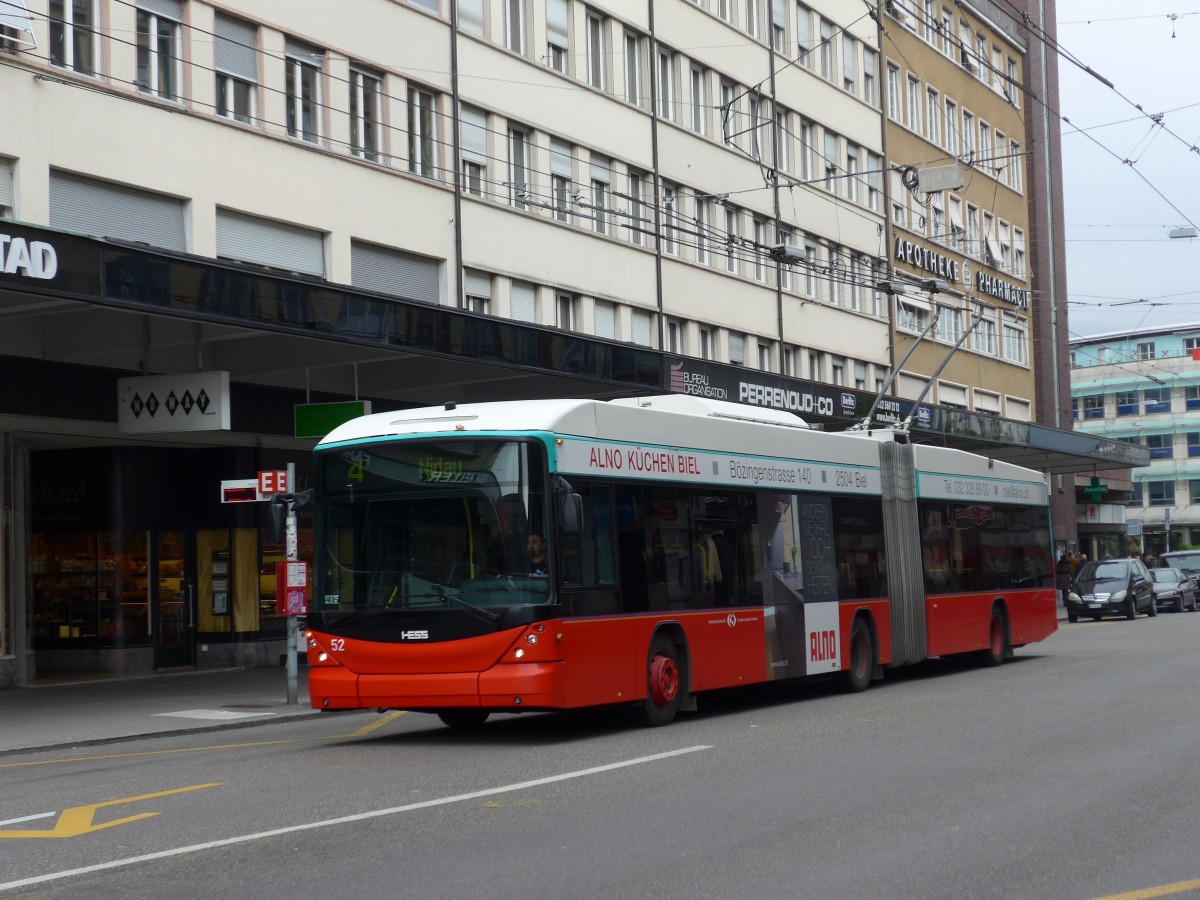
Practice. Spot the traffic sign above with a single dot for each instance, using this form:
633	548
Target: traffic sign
273	482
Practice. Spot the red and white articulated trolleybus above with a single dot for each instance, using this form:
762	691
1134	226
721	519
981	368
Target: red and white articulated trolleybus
551	555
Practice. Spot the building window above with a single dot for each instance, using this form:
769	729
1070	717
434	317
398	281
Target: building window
951	127
1145	350
874	181
633	69
1160	446
1011	89
934	111
870	77
816	365
968	135
518	167
699	102
1191	396
600	180
806	149
557	34
831	156
756	120
851	173
514	25
706	342
837	370
893	90
422	131
637	208
849	64
914	104
702	225
825	54
1128	403
783	140
565	305
1193	444
235	61
726	10
789	361
596	54
1161	493
1015	344
73	35
737	348
1016	163
949	324
983	338
752	17
674	336
473	137
159	70
804	41
911	317
764	357
732	240
303	94
670	220
760	257
666	84
477	291
365	94
1158	400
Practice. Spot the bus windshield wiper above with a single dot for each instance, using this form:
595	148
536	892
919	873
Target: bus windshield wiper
470	607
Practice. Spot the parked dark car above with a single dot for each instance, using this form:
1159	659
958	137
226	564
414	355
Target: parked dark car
1188	560
1174	589
1108	587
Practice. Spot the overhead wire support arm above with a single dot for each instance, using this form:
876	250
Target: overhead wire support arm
975	320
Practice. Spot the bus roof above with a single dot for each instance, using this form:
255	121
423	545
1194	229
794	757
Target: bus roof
670	420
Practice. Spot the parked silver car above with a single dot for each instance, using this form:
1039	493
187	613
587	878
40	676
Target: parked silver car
1174	589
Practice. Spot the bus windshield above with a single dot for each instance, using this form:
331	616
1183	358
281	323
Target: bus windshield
449	523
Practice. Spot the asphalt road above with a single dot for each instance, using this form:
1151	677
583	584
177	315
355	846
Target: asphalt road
1069	772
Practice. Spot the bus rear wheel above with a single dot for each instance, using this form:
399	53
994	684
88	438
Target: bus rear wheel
464	719
664	689
997	640
857	677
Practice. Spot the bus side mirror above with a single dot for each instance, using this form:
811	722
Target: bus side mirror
570	514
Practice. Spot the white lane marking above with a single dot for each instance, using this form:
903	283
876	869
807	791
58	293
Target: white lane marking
223	715
29	818
344	820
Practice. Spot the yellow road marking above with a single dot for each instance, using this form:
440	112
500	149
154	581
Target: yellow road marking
78	819
1164	890
365	730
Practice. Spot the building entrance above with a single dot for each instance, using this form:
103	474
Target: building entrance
174	586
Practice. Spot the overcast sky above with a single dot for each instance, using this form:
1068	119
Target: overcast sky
1127	181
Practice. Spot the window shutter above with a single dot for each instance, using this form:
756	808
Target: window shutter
304	52
114	211
474	136
393	272
779	13
737	348
556	23
524	305
560	159
236	49
600	169
849	61
264	242
7	194
641	328
477	284
606	321
170	9
470	16
430	5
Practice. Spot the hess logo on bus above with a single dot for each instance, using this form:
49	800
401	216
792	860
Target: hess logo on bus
421	634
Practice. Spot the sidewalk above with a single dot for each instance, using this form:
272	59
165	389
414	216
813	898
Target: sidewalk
70	714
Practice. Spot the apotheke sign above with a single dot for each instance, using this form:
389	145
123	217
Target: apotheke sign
929	260
32	259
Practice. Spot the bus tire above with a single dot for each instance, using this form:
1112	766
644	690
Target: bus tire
464	719
664	687
857	677
997	639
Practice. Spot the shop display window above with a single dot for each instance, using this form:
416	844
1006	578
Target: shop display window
90	586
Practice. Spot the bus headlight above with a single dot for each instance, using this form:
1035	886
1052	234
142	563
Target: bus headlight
519	652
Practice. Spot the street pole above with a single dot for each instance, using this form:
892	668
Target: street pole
293	554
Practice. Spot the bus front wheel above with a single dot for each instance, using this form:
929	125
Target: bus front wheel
664	689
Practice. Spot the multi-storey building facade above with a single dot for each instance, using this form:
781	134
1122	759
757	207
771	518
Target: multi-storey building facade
958	215
265	204
1141	388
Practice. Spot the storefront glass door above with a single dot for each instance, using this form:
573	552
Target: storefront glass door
175	603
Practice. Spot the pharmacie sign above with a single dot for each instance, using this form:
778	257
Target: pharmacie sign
927	259
1002	290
